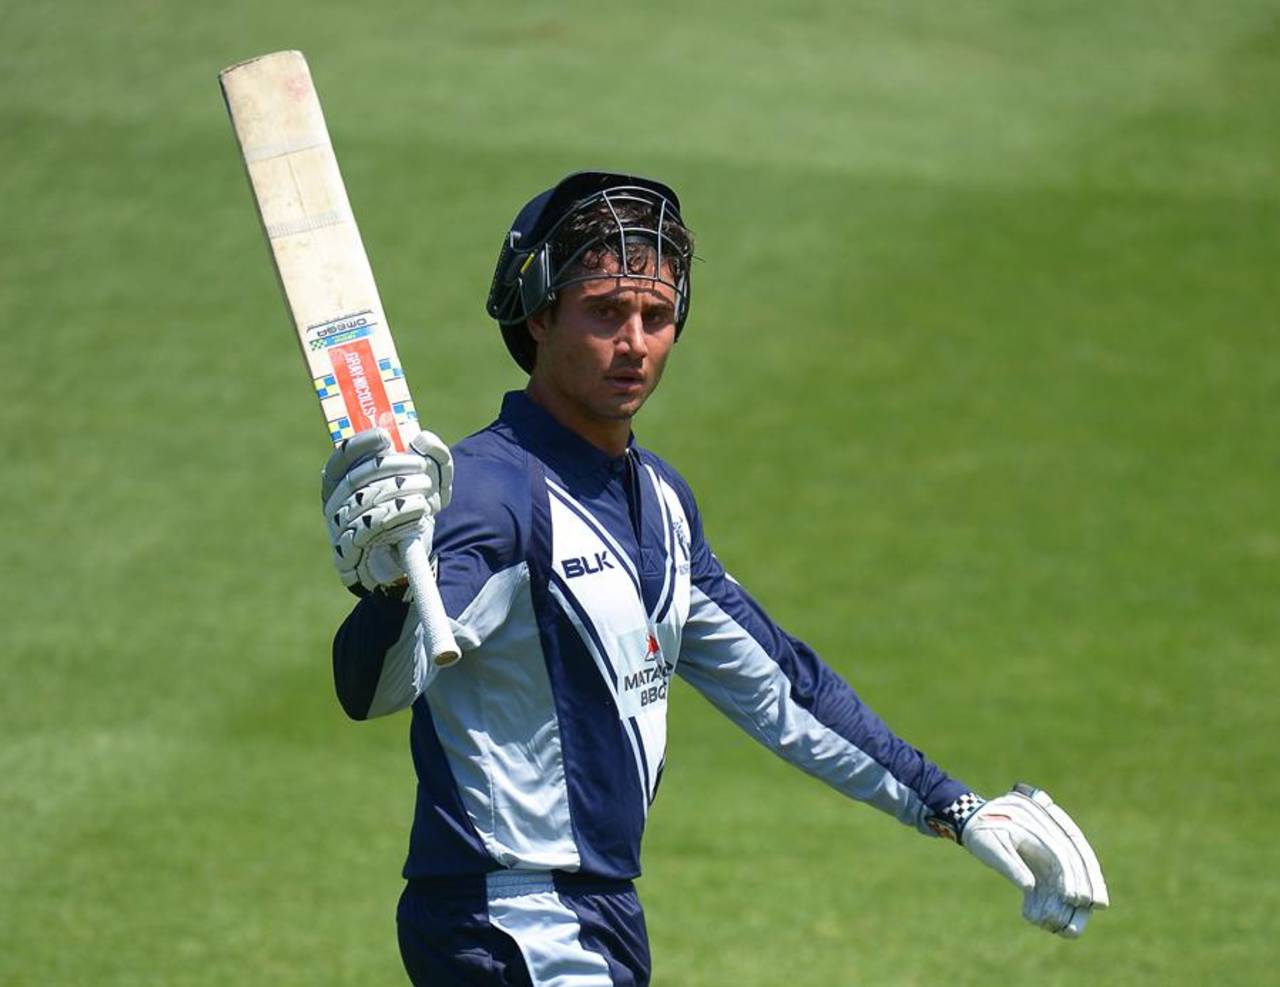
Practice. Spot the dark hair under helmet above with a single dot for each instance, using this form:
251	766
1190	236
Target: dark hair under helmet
536	261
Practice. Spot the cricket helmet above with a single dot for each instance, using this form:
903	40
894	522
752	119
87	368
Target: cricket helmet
540	254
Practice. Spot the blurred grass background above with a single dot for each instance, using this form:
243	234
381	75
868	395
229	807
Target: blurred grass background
979	397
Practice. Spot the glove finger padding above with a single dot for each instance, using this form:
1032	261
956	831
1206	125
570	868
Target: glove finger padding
1095	896
350	512
375	499
385	473
995	847
1037	846
1075	928
360	447
368	457
431	447
387	523
382	526
1051	913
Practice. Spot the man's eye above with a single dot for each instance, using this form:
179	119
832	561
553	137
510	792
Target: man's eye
658	316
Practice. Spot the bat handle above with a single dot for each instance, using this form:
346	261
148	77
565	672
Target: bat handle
436	634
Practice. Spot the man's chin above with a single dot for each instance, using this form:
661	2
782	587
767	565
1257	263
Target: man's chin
625	410
623	406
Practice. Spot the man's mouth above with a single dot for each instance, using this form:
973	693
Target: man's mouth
626	380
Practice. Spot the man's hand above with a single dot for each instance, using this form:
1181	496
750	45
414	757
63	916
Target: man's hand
375	498
1037	846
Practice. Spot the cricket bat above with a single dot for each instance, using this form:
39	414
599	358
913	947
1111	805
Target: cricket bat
326	279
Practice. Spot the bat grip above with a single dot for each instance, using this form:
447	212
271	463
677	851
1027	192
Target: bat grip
436	634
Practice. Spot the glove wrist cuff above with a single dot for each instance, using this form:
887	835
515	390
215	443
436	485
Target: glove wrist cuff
949	823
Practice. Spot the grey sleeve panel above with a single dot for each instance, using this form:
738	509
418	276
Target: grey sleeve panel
407	670
729	666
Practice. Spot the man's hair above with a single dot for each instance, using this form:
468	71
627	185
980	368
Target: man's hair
608	228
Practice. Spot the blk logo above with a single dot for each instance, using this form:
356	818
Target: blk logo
583	566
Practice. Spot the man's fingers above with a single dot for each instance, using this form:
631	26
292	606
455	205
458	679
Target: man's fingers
1060	918
994	846
375	498
362	445
1068	854
1047	910
389	523
348	512
1036	845
1051	844
433	448
1075	928
1090	885
400	468
372	470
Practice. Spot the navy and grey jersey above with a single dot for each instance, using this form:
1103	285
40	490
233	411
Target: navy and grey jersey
578	584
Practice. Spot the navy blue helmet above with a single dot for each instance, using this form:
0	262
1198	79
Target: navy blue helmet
555	236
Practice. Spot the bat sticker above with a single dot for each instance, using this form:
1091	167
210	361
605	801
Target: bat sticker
360	382
343	329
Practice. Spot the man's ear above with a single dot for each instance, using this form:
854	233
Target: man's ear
538	325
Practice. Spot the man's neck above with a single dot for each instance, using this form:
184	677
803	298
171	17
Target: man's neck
609	435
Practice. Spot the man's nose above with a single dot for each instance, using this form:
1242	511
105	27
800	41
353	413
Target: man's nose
631	334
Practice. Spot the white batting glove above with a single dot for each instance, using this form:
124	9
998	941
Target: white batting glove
1031	841
375	498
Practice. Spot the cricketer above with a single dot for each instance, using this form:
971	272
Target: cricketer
578	581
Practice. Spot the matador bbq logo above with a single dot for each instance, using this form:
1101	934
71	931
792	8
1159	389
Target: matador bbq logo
647	686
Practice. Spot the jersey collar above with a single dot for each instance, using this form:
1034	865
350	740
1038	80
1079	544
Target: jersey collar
567	452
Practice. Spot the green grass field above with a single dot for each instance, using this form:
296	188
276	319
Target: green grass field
979	396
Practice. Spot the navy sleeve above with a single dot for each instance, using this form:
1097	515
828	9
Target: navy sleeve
360	647
483	530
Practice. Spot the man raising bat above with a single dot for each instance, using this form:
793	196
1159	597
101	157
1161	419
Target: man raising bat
577	579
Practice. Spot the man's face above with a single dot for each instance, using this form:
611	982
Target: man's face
601	351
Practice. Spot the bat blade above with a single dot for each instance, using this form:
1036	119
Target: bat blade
325	276
316	246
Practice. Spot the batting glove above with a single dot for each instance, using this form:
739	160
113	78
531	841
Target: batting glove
375	498
1031	841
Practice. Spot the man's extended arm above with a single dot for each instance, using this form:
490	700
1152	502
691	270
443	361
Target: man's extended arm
778	690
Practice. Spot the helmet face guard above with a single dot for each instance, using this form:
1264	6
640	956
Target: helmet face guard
529	273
